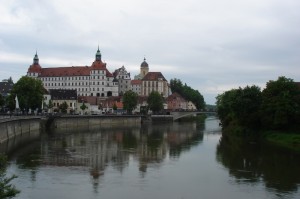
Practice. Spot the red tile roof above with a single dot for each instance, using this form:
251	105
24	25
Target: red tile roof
68	71
136	82
175	96
65	71
34	68
154	76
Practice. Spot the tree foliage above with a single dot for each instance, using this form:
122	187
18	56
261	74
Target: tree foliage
240	105
130	100
83	106
188	93
155	102
29	92
276	107
281	103
63	107
7	190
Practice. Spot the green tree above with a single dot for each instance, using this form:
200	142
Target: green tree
246	106
155	102
83	106
280	104
7	190
130	100
240	105
29	92
188	93
224	106
63	107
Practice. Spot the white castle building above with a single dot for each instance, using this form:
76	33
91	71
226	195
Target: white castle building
94	80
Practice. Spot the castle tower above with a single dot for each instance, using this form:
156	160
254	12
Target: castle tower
35	69
144	69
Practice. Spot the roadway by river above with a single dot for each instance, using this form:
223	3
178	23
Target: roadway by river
169	161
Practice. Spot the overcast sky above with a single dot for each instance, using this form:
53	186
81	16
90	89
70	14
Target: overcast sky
213	46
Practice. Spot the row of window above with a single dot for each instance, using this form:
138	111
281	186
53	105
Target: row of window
74	84
57	104
64	78
71	78
122	77
153	83
97	72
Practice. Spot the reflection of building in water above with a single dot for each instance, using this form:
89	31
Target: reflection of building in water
111	146
157	140
95	150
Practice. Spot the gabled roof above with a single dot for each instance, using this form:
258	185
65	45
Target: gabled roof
175	96
60	94
98	65
154	76
34	68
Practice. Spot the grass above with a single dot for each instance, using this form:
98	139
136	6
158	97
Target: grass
287	140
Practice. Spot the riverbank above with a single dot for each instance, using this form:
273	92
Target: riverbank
198	118
286	140
289	140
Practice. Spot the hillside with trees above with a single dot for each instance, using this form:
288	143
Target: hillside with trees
188	93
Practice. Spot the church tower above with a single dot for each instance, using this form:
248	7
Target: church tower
35	69
144	69
98	55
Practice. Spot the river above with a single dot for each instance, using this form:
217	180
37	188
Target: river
167	161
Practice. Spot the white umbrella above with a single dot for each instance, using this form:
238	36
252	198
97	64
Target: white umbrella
17	102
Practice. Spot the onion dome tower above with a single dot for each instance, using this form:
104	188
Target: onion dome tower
35	69
144	68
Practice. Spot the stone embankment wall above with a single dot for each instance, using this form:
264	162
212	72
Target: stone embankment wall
18	126
72	122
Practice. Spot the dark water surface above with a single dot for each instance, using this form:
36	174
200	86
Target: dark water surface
168	161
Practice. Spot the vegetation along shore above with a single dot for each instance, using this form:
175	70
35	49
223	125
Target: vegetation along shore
272	114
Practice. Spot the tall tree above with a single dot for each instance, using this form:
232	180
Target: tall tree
130	100
29	92
155	102
280	103
241	106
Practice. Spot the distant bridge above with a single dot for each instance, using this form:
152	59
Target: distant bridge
180	114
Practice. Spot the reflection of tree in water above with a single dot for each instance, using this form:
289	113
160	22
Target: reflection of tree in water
251	163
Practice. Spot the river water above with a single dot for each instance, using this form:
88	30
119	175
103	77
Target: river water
167	161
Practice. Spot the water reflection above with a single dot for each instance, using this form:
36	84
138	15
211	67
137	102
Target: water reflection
250	163
98	148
